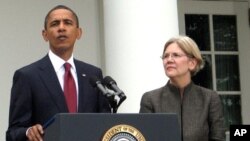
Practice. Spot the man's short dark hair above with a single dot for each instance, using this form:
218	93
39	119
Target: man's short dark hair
60	7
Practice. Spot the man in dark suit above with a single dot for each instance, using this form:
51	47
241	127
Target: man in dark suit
37	93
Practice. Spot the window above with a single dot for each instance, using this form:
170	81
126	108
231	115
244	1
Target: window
215	28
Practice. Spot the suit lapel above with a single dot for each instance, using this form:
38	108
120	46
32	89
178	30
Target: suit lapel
49	78
82	82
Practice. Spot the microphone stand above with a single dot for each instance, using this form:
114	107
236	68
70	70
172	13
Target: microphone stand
113	101
122	98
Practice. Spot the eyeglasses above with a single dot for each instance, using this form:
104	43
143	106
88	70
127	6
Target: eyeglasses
173	55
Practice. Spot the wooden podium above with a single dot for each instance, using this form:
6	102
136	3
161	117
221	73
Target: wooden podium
112	127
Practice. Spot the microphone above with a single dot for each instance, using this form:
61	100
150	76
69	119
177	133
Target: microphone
95	82
111	84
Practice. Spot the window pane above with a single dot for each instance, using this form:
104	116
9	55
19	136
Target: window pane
225	33
204	76
231	107
197	27
227	72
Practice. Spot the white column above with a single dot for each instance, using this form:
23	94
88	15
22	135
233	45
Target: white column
135	32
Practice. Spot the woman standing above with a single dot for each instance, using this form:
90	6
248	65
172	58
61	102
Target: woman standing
199	110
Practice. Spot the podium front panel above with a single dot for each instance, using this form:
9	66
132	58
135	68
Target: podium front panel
108	126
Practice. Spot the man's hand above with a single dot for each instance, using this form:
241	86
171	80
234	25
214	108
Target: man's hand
35	133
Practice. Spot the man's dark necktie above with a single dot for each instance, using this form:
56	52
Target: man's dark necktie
70	89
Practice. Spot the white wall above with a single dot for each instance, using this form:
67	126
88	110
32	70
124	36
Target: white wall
21	41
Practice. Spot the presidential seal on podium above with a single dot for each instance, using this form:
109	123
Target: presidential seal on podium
123	132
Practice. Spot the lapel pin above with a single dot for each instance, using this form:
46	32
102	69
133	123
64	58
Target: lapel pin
83	75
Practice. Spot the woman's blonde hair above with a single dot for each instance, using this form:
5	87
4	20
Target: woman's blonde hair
190	48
